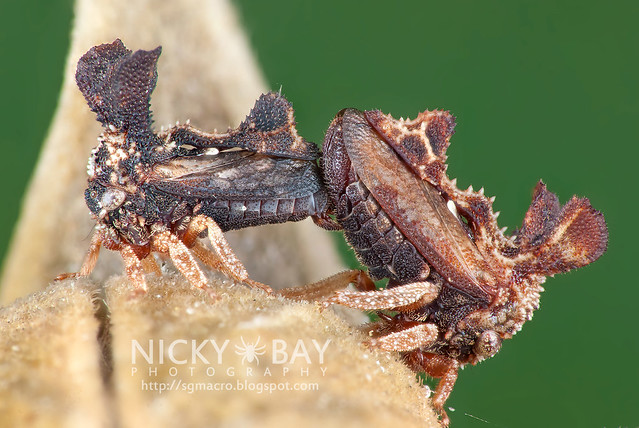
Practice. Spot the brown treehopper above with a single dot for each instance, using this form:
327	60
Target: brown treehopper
457	285
157	192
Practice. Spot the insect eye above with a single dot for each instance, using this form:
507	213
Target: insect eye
487	344
93	194
112	198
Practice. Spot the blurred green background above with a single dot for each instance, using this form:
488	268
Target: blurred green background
540	90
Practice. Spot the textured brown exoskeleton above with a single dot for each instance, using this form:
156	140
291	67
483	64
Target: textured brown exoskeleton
457	285
158	192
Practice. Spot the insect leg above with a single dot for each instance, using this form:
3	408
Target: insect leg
133	268
228	261
328	286
406	297
408	339
89	260
150	266
207	256
168	243
446	369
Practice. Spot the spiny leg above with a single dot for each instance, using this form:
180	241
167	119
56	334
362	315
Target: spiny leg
149	265
439	366
192	233
168	243
406	297
230	264
208	257
257	284
133	268
213	260
328	286
408	339
446	369
89	260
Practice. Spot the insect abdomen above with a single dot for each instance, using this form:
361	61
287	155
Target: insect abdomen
376	240
234	214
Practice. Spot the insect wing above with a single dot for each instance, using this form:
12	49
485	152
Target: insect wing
416	208
236	175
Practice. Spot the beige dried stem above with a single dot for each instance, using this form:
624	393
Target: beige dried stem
66	352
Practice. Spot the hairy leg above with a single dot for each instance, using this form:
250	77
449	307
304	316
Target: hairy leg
408	339
404	297
328	286
133	268
224	259
168	243
89	260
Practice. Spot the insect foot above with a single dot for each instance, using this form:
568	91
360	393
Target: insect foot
157	192
457	286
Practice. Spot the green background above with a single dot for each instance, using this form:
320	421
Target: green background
540	90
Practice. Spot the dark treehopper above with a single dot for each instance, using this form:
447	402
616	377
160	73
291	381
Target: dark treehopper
457	285
157	192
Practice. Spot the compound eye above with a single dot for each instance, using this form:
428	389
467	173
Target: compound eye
487	344
92	196
112	199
